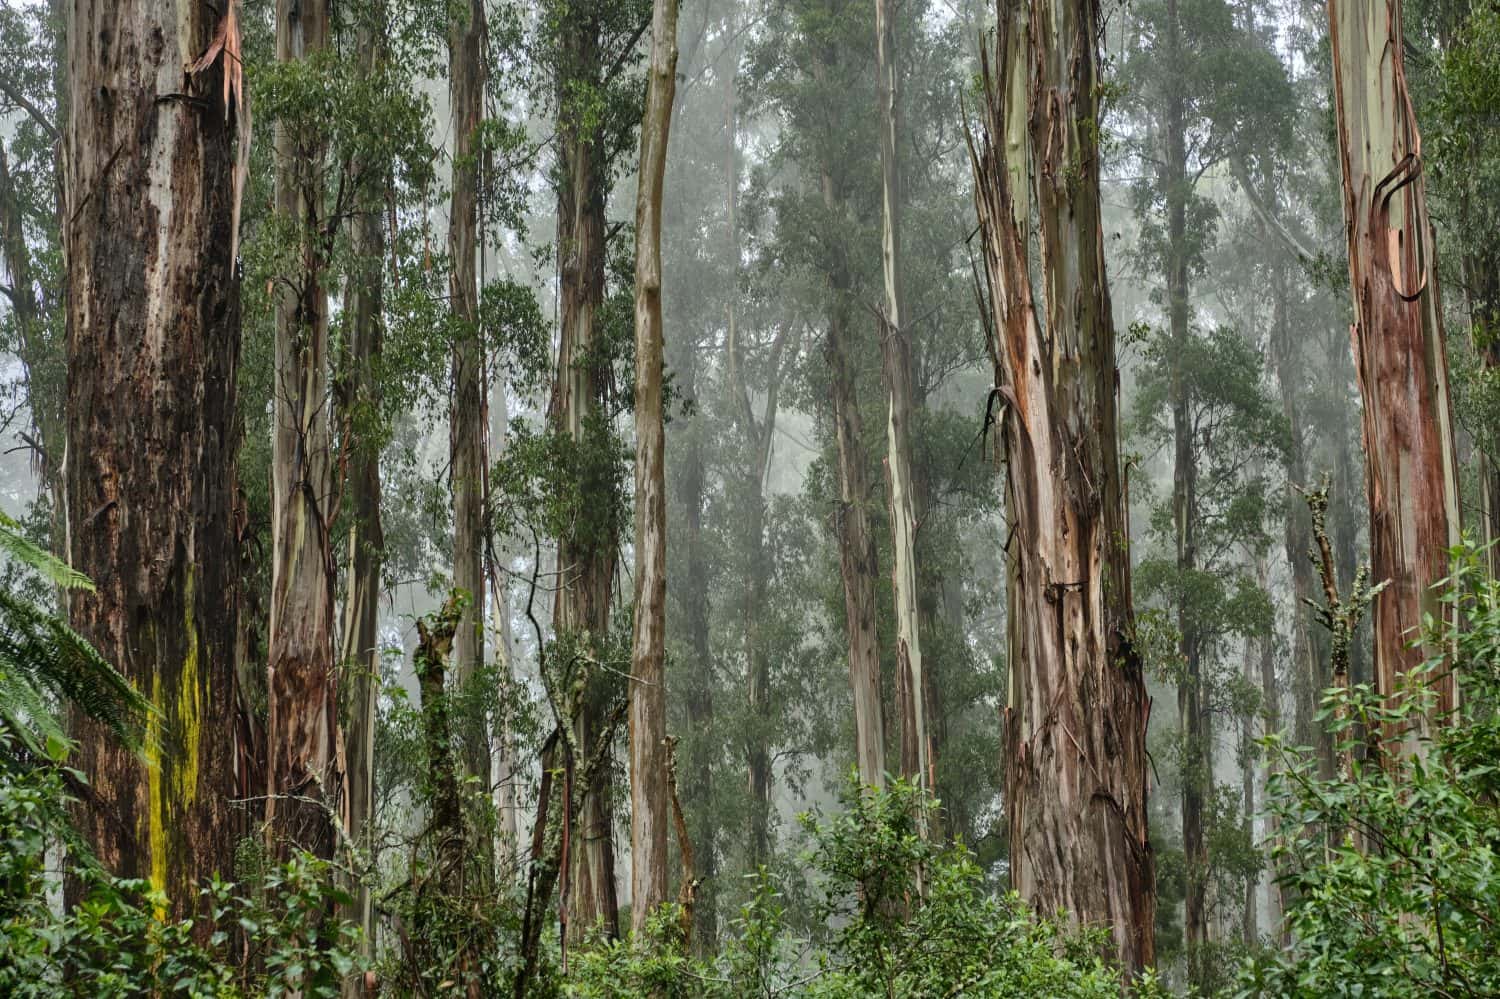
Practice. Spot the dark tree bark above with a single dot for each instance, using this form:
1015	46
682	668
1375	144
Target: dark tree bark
153	342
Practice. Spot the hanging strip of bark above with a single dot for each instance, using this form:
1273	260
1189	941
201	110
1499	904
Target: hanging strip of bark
1076	765
153	343
1399	352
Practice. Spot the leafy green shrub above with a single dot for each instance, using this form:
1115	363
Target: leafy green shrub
1392	880
911	919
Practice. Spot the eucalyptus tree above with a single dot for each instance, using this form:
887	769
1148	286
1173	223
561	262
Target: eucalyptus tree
151	206
468	414
1200	83
33	288
1400	355
1076	767
592	48
649	752
306	772
895	348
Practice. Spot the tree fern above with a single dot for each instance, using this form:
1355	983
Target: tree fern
44	664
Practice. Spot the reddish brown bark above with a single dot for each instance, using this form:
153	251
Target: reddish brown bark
153	342
1397	338
1075	729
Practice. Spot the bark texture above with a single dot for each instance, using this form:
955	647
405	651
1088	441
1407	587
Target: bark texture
1397	338
586	555
858	565
649	816
467	416
153	340
359	403
305	773
1076	763
895	351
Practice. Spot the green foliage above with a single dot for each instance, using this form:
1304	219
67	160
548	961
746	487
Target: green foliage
1393	878
950	937
273	938
44	663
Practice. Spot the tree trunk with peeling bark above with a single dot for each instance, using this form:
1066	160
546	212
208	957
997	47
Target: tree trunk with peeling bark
153	341
858	565
649	818
305	776
586	557
895	351
1076	765
1397	337
358	396
467	416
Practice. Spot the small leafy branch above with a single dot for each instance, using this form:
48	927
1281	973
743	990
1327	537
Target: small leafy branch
1339	615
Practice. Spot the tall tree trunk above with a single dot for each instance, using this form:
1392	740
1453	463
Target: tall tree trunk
305	778
585	558
1400	357
153	341
44	398
698	676
1197	774
1076	726
467	415
858	565
1247	787
758	440
1270	725
895	349
649	820
358	393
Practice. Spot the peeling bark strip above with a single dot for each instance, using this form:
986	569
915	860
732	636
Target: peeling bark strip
358	395
649	755
1397	337
152	345
1076	724
306	774
895	352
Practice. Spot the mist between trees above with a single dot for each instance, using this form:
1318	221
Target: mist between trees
816	498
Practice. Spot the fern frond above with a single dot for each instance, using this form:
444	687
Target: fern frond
14	543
